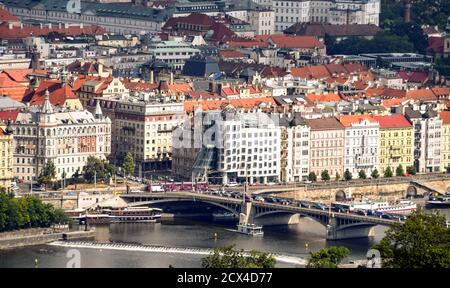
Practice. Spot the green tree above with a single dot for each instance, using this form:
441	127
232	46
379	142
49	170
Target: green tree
48	173
348	175
128	165
228	257
97	169
411	170
423	241
375	174
400	171
338	176
325	176
312	177
388	172
329	257
362	174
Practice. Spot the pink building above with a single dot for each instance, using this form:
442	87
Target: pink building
326	146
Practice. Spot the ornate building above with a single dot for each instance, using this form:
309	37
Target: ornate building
65	137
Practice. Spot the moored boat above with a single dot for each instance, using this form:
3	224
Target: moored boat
401	207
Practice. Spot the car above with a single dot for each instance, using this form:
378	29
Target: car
387	216
361	212
231	184
258	198
304	205
320	206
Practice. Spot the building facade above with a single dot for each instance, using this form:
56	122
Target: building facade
295	138
65	137
289	12
361	143
144	128
396	142
326	146
445	137
427	127
6	156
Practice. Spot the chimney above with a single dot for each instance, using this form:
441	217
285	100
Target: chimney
407	11
100	69
10	26
152	77
171	78
59	26
50	26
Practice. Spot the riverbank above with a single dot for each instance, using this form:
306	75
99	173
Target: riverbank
40	236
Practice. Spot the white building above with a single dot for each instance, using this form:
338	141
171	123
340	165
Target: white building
427	127
246	147
289	12
174	53
295	136
67	138
362	134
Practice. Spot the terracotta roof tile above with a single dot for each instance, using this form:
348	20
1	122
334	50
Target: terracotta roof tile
392	121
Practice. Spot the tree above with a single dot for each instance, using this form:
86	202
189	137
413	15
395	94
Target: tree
338	176
329	257
411	170
325	176
348	175
423	241
388	172
228	257
362	174
48	173
312	177
375	174
399	171
97	169
128	165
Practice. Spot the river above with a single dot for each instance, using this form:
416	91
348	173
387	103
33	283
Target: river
291	242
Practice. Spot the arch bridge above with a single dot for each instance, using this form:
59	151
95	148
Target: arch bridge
338	225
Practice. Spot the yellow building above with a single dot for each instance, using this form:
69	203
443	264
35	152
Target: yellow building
396	142
445	140
6	156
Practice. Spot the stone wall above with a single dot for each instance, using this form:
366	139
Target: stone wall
397	190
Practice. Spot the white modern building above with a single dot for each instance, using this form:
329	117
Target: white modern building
238	147
65	137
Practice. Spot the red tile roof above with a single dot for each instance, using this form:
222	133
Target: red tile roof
331	97
392	121
58	94
5	16
445	116
230	54
18	32
349	120
8	115
246	103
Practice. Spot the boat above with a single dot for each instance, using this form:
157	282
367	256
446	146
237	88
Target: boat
250	229
439	201
223	216
401	207
130	214
134	214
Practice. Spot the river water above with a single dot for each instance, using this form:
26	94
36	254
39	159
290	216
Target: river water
290	241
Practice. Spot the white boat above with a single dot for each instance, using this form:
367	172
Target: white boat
223	216
250	229
404	206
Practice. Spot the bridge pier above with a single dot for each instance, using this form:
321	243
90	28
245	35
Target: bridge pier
341	232
278	219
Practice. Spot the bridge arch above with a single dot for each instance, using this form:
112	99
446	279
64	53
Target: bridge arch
232	208
340	195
